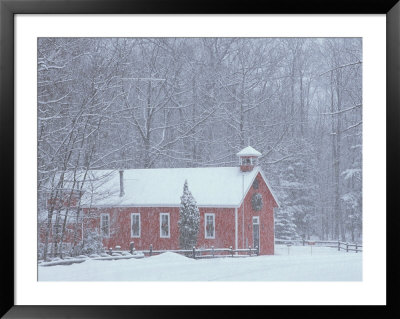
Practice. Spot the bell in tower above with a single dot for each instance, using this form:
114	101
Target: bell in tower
248	158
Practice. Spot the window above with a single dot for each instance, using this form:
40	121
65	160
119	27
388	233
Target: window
164	225
135	225
256	220
209	225
257	202
255	184
105	225
248	161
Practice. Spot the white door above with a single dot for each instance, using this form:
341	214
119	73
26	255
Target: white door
256	231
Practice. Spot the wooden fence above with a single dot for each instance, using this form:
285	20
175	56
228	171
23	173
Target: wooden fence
345	246
212	252
323	243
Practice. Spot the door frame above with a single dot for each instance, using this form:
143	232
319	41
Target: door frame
257	219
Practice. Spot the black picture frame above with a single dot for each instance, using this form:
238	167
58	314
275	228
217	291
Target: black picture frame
8	10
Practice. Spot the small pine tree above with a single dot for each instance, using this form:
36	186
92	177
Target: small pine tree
285	227
189	219
92	243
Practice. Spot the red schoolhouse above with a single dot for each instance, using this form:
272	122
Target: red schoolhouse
236	206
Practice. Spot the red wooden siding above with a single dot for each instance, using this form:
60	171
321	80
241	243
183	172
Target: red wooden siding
247	167
224	228
120	225
266	215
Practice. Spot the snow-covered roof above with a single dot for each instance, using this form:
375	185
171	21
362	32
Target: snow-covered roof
248	151
210	186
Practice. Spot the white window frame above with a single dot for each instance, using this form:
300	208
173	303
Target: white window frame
109	222
243	161
252	161
205	225
169	225
140	225
256	220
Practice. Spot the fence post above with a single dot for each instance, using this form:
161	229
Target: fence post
249	250
338	245
304	242
151	249
257	251
356	248
110	251
194	252
231	250
131	247
212	251
347	247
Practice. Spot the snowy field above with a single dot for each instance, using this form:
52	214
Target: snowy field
324	264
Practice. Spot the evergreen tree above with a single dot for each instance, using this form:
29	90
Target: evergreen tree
297	192
92	243
189	219
285	227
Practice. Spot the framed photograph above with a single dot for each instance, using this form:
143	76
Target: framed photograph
159	154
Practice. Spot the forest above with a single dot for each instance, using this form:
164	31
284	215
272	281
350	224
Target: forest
121	103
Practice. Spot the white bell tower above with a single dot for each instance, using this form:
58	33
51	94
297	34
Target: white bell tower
248	158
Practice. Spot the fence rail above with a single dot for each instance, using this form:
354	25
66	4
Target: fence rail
324	243
213	252
345	246
198	253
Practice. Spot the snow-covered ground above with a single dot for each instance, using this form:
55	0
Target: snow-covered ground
324	264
